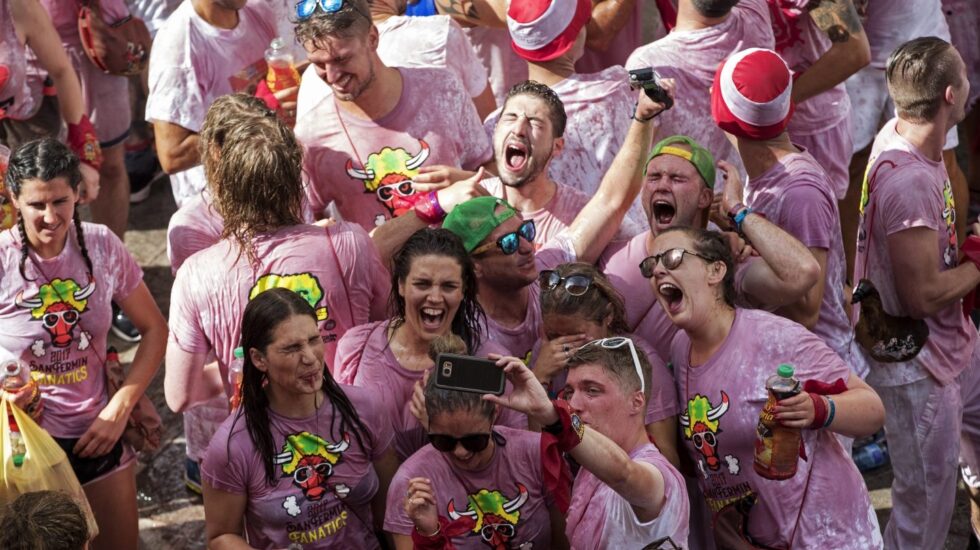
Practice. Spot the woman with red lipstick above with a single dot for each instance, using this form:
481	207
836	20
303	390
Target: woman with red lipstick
433	294
59	278
303	461
722	357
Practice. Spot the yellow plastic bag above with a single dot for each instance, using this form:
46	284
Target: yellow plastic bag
45	466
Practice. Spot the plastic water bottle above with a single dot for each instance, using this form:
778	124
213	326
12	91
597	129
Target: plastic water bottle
871	456
777	447
236	371
282	67
15	377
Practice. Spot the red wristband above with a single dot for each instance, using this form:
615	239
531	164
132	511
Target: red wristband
84	143
819	411
263	92
572	429
428	209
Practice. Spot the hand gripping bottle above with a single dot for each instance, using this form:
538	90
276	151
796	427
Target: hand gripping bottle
777	447
235	373
282	69
15	377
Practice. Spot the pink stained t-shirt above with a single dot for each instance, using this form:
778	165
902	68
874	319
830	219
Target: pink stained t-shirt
626	40
195	226
600	519
435	41
193	63
505	68
795	195
58	319
621	264
16	100
335	275
365	166
364	359
723	398
507	498
909	190
64	16
691	57
325	478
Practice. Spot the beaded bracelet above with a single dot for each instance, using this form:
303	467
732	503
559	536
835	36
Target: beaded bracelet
833	411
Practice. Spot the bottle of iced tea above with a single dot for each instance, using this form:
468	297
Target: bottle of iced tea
777	447
282	69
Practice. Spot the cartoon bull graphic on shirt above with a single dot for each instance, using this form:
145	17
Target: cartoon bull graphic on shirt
304	284
389	173
700	424
309	460
59	306
496	517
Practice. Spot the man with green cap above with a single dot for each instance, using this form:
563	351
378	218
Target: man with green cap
501	241
678	192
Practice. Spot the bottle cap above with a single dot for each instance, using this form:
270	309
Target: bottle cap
240	354
785	371
277	43
18	460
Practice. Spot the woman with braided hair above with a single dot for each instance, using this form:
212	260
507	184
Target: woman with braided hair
59	278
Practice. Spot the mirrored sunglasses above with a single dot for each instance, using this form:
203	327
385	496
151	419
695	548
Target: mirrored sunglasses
510	242
670	258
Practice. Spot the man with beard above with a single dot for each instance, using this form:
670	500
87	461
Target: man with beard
369	128
908	248
501	242
677	192
528	135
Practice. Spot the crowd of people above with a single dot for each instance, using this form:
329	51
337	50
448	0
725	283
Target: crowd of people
634	252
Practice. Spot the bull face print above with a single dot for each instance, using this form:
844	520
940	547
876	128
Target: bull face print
495	515
388	173
59	306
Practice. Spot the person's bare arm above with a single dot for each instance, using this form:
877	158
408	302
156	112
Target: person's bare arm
858	411
806	310
608	19
485	103
177	147
924	290
188	379
849	51
475	13
386	466
224	519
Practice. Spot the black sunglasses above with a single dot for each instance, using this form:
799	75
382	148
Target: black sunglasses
576	284
671	259
473	443
510	242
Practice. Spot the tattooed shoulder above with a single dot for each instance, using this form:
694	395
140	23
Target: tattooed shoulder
837	18
458	8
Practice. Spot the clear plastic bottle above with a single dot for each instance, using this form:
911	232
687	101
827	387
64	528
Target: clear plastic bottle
14	377
777	447
282	67
235	373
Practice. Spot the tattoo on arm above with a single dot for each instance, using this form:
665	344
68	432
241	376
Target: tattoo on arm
458	8
837	18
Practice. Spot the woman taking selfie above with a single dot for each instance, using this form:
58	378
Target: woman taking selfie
302	461
578	305
722	358
60	277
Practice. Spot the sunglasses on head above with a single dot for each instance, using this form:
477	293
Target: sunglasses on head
576	285
617	342
510	242
305	8
671	259
473	443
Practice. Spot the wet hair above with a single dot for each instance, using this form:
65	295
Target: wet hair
256	175
351	20
918	73
438	400
225	114
43	160
618	362
713	248
601	300
262	316
43	520
546	94
469	321
714	8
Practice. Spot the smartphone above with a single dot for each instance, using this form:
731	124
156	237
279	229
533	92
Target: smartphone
470	374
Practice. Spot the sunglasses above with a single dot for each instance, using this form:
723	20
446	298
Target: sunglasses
576	285
402	189
305	8
617	342
510	242
473	443
671	259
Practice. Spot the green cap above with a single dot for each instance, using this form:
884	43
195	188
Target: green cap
785	371
698	156
476	218
239	353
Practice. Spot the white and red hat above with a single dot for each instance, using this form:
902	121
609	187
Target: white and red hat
541	30
751	95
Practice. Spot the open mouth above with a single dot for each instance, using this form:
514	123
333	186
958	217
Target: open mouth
673	295
515	155
310	379
432	318
663	212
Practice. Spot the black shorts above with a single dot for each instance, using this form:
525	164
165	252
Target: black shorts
87	469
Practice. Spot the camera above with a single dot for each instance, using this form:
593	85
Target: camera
649	80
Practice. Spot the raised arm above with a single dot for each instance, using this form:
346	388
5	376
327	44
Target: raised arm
849	52
608	19
475	13
922	288
599	220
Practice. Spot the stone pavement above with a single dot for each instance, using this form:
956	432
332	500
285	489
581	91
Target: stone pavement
171	517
